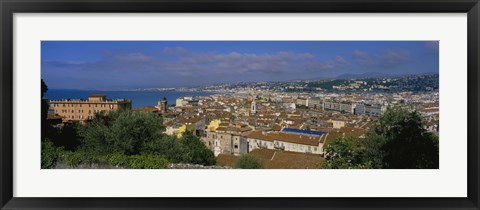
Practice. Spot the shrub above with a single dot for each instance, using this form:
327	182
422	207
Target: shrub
249	162
117	159
147	162
49	154
74	159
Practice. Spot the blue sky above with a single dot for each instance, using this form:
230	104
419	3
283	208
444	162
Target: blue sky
145	64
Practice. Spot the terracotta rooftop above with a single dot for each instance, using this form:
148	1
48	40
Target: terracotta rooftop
233	129
192	120
146	109
276	159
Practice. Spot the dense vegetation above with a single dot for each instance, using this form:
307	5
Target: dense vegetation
397	141
139	133
131	139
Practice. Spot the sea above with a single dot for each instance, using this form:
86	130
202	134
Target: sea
139	98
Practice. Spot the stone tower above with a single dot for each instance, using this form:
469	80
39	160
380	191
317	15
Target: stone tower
162	104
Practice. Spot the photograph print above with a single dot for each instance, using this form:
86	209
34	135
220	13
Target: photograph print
240	104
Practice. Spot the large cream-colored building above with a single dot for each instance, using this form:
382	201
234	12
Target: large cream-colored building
292	142
81	110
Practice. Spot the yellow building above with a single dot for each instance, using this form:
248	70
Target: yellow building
196	125
214	124
180	131
185	127
179	102
337	123
81	110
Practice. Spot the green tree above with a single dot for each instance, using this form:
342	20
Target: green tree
95	138
45	128
68	136
399	140
248	161
345	153
194	151
121	131
49	154
131	131
141	133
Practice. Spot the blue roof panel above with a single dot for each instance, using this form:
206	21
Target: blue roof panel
306	132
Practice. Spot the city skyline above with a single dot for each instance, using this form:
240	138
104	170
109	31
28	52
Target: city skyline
151	64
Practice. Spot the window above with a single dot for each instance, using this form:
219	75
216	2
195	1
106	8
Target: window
89	105
80	105
236	146
73	111
63	105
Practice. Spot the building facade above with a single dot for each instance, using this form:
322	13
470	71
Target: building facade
82	110
179	102
291	141
368	109
225	143
162	104
315	103
345	107
302	102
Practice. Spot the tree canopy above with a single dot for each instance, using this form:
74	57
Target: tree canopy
134	133
248	161
397	141
346	153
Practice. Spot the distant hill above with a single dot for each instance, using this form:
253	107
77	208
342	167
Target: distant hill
377	75
367	75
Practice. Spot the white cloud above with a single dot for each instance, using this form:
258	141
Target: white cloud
388	58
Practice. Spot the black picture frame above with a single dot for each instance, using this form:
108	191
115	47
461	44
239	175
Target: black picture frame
9	7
